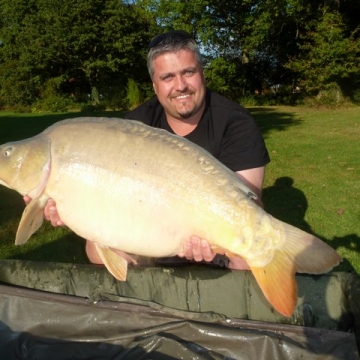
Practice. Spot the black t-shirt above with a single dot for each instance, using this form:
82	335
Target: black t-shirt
226	130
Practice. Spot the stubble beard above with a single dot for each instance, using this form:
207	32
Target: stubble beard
186	115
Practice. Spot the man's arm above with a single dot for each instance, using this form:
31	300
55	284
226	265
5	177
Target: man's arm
254	179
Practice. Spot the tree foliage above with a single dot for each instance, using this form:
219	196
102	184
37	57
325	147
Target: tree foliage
328	58
89	51
82	46
273	44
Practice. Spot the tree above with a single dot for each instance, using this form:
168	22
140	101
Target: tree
328	57
254	45
82	46
256	37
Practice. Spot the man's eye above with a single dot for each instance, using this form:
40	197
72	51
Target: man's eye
166	77
189	72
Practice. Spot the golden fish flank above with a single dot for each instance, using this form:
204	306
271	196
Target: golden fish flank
111	178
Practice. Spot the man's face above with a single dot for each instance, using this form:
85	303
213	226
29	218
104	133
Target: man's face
179	84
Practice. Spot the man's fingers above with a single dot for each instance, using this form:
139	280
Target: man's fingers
51	214
206	251
27	199
198	250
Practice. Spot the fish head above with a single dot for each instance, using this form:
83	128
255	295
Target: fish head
25	165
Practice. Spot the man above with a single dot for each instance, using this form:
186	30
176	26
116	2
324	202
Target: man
184	106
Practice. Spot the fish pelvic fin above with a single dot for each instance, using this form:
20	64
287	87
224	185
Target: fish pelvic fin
115	263
31	220
302	253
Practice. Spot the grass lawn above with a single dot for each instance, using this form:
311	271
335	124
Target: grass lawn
312	181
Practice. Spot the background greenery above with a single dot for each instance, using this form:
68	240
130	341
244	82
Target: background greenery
63	54
312	181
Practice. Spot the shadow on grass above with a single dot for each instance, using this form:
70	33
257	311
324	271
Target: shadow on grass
289	204
286	203
268	119
21	126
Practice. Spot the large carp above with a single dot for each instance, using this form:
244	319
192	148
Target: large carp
126	186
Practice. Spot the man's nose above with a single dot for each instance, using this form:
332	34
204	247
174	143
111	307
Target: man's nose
181	83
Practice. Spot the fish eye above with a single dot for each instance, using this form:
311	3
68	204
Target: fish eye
8	151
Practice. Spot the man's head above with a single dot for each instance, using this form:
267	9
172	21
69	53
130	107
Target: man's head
171	41
175	67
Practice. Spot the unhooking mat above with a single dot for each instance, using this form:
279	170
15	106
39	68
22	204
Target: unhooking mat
65	311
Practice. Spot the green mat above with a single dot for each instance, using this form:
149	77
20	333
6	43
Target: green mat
66	311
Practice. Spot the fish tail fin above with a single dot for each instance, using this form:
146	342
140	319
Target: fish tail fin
302	252
311	255
277	282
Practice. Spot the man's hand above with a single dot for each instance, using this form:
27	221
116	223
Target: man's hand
198	249
51	214
50	211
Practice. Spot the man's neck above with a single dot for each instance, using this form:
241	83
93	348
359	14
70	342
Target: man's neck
183	127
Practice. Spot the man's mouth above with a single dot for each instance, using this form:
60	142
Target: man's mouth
180	97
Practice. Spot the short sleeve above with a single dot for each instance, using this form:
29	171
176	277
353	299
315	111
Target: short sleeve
242	146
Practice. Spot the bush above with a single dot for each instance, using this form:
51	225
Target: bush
269	99
19	108
51	100
93	108
133	94
331	97
53	103
114	97
356	97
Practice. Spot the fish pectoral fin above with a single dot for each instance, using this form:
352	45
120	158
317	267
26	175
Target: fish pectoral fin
114	262
277	282
32	218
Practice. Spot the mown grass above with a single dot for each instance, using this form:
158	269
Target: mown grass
312	181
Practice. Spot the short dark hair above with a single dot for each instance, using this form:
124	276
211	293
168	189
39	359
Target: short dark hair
171	41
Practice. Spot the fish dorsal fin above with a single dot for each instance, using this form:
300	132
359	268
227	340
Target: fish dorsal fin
32	218
114	262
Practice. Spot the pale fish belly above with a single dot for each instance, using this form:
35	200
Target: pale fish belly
130	215
140	195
